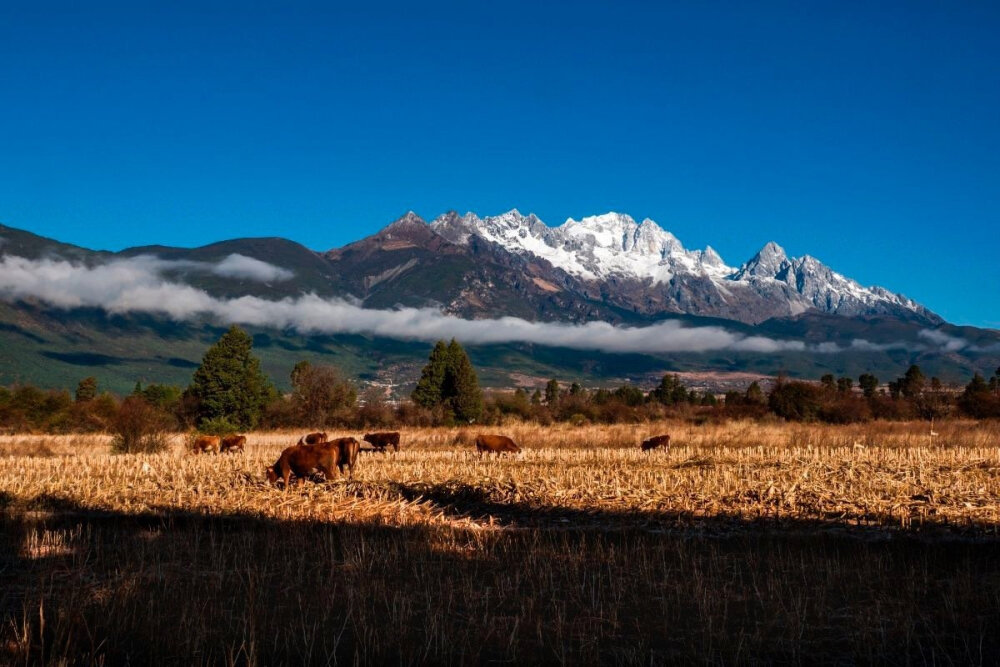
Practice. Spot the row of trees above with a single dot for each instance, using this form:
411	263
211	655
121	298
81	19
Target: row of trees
832	399
229	392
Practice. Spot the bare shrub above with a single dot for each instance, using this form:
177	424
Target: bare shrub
139	427
374	409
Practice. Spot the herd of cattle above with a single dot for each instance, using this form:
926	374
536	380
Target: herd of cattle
315	453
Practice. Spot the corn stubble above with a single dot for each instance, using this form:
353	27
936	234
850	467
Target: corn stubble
744	542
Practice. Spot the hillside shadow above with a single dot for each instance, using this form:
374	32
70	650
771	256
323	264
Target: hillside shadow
14	329
178	362
83	358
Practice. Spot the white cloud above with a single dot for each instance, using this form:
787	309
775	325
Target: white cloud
241	266
944	341
137	285
949	343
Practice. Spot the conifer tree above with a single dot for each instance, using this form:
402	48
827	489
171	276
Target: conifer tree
868	384
461	386
229	386
428	391
449	379
912	383
552	392
86	390
670	391
755	395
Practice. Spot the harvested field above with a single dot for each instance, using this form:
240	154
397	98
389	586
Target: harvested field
743	542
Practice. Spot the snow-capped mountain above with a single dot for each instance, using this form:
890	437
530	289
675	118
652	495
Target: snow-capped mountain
642	265
593	248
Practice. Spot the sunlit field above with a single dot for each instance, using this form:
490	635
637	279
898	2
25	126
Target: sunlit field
743	542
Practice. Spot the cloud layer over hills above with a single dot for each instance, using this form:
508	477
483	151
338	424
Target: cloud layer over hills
139	284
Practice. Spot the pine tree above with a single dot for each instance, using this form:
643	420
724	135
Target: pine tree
461	387
755	395
229	386
86	390
670	391
978	401
552	392
912	383
449	380
428	391
868	384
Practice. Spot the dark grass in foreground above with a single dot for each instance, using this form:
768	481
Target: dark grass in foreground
187	589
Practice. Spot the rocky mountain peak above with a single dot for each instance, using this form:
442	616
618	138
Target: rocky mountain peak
408	219
613	249
769	262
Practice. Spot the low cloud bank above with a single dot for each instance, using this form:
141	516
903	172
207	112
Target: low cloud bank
948	343
243	267
138	285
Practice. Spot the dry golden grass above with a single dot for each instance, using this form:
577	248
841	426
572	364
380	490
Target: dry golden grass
882	475
738	545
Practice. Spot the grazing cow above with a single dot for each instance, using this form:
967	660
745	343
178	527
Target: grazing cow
654	442
206	444
232	443
495	444
312	439
382	440
304	460
349	448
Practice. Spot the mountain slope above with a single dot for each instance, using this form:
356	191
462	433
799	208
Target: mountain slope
409	264
605	268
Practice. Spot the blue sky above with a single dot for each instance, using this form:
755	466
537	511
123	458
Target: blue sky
866	136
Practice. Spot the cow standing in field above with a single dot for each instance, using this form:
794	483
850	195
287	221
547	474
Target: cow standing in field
349	448
312	438
206	444
382	440
495	444
233	443
654	442
304	460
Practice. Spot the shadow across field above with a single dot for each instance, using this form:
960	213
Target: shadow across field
176	587
477	503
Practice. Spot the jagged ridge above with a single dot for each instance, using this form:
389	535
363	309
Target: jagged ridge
646	262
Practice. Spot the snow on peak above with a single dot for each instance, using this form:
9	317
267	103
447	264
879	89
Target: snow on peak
598	247
594	247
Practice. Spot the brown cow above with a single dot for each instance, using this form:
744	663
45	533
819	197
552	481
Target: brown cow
304	460
312	439
495	444
232	443
382	440
206	444
656	441
349	448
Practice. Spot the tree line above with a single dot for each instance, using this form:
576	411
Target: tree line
229	392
